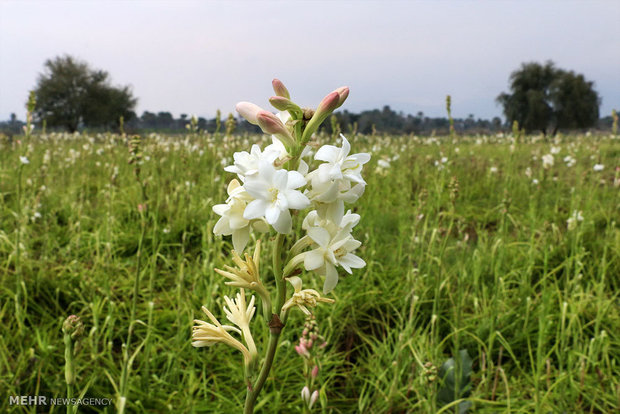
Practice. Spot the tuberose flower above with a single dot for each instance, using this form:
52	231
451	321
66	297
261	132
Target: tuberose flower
303	298
232	220
275	192
207	334
332	251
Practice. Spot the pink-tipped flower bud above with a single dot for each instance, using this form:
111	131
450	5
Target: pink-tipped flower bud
326	107
271	124
343	94
315	371
328	104
249	111
302	351
313	398
280	89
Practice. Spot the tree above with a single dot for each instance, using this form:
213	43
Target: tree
69	94
543	97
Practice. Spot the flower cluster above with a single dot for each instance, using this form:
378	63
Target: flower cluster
274	182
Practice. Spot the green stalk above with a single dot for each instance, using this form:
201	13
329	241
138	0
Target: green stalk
69	370
275	328
134	301
18	270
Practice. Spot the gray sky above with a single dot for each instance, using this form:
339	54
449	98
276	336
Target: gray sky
198	56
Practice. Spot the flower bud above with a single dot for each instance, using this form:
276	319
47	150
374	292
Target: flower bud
302	351
315	371
305	395
343	94
271	124
249	111
280	89
283	104
73	326
330	103
313	398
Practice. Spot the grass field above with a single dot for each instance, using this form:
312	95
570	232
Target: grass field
470	243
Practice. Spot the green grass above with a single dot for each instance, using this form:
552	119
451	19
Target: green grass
458	257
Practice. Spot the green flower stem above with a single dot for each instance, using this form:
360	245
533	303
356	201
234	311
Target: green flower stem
275	328
18	270
69	370
134	301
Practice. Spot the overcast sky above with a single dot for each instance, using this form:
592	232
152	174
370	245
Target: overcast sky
198	56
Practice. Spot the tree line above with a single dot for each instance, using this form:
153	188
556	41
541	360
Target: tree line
72	96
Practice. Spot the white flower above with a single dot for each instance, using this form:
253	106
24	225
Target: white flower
207	334
24	160
232	220
572	221
307	398
339	164
598	167
570	161
275	193
303	298
547	161
332	251
383	164
493	170
555	150
241	314
246	164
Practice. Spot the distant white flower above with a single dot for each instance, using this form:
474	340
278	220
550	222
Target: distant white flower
570	161
528	172
598	167
555	150
535	181
547	161
493	170
275	192
24	160
383	164
572	221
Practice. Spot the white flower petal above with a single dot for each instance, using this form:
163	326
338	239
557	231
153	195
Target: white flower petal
352	260
320	236
327	153
222	227
331	278
255	209
295	180
284	224
280	179
314	259
240	239
296	282
272	213
296	200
